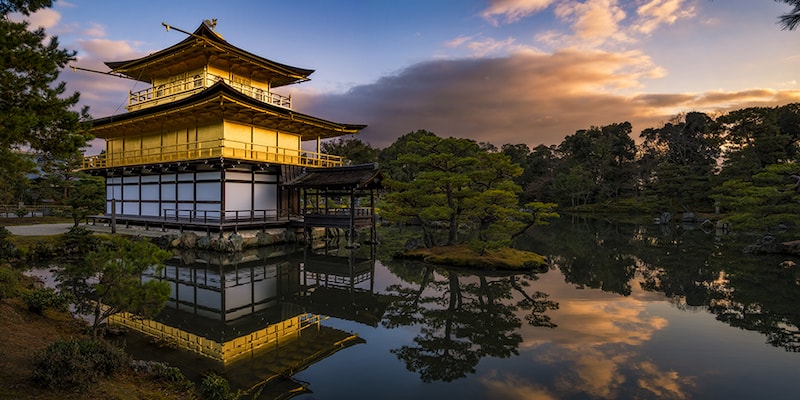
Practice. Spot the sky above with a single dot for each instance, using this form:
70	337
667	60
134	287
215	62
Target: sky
497	71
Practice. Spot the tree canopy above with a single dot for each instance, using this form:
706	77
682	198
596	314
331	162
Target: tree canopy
449	183
36	117
110	280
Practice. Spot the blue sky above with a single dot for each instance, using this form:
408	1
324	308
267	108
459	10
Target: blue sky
500	71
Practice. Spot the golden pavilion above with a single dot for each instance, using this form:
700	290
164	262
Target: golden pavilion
209	143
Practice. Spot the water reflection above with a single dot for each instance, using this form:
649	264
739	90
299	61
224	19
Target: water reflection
695	269
257	316
624	311
462	318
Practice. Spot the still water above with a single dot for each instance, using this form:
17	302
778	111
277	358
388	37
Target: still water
622	312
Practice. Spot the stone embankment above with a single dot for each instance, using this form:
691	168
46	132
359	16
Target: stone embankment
230	242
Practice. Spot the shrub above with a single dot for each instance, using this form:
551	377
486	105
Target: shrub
164	373
9	282
7	249
40	299
80	240
76	363
215	387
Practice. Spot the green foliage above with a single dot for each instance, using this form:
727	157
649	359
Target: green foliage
69	364
36	112
770	201
41	299
353	150
605	156
450	183
215	387
87	196
80	240
7	249
110	280
9	282
162	372
542	213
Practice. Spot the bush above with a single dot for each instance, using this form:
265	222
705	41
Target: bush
9	282
80	240
7	249
76	363
164	373
40	299
215	387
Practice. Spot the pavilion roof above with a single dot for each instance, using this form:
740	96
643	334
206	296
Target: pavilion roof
361	176
206	46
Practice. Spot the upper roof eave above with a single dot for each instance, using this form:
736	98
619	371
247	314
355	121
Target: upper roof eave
222	89
204	32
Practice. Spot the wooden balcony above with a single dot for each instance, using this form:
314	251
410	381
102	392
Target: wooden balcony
183	88
221	148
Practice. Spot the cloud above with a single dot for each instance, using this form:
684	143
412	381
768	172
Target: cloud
512	387
94	30
45	18
526	97
593	22
480	46
658	12
509	11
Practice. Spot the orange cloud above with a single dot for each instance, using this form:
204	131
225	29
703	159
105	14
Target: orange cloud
526	97
510	11
658	12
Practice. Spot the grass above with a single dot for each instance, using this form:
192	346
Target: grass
27	242
492	259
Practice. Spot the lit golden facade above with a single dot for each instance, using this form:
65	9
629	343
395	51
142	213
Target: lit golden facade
209	139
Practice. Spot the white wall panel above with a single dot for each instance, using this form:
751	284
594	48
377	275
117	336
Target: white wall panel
211	175
237	196
186	176
266	178
209	191
265	196
185	191
150	192
130	208
130	192
150	209
167	191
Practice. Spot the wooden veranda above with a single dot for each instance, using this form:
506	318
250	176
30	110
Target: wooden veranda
332	197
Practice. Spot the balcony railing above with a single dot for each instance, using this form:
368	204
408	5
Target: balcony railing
179	89
226	148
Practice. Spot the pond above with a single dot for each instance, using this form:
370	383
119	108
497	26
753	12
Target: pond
624	311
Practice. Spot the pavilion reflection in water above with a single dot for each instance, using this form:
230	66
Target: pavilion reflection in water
258	316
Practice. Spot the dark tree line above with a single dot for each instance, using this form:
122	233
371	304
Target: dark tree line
743	164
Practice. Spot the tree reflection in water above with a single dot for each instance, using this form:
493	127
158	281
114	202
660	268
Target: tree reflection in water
693	268
462	318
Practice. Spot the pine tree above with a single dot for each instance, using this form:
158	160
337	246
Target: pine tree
35	112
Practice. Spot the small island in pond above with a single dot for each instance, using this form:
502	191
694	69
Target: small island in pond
501	259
